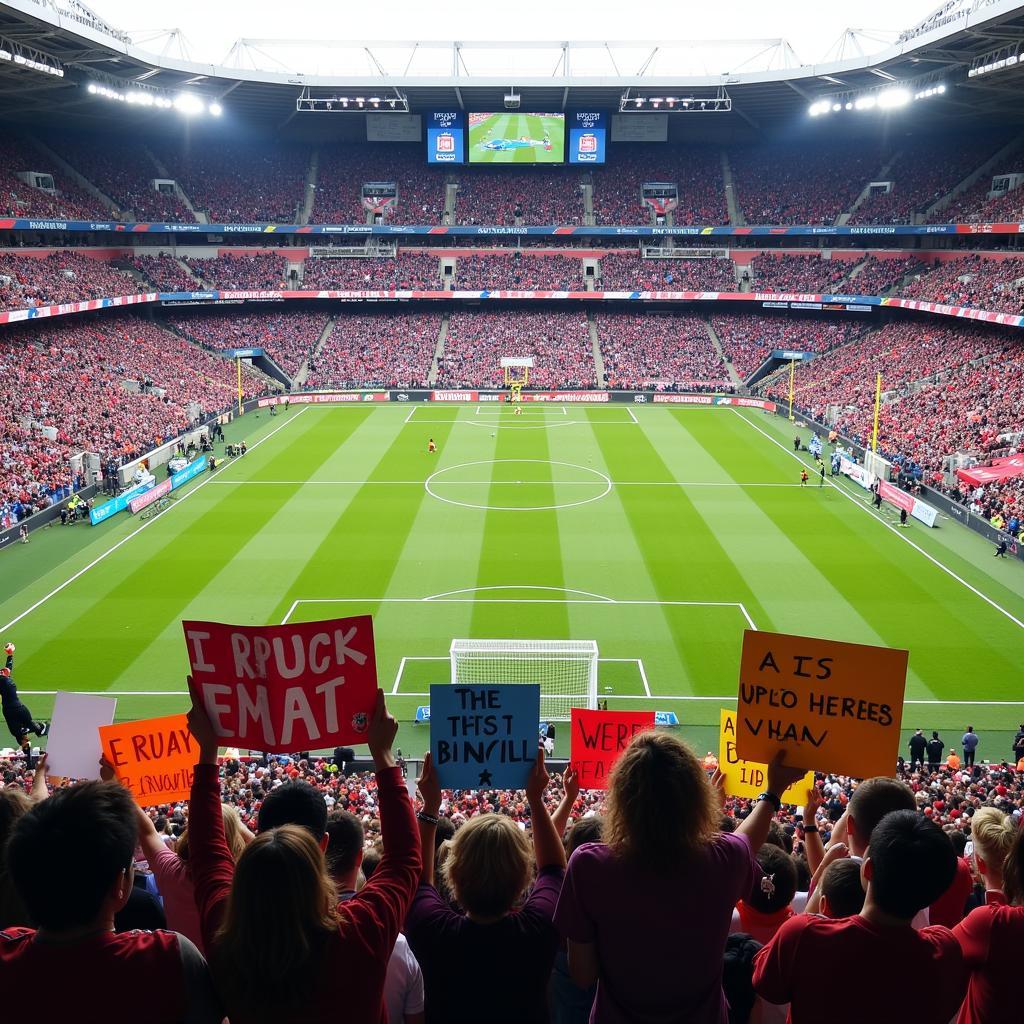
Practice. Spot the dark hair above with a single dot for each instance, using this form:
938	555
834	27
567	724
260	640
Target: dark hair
780	873
912	862
803	872
873	799
727	824
841	886
959	841
345	844
586	830
371	859
444	831
294	803
68	851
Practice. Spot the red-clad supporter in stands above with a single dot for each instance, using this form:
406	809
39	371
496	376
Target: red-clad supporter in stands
559	343
992	284
345	168
516	272
62	276
18	199
410	270
547	196
879	275
696	171
801	184
164	273
241	270
660	351
789	272
973	206
628	272
385	351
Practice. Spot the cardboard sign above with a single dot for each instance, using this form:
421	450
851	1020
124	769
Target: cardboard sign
285	688
484	737
73	748
154	758
599	738
833	707
749	779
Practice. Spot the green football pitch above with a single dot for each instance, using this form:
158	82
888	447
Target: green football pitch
660	533
513	128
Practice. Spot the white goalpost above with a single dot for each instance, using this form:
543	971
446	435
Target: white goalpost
565	669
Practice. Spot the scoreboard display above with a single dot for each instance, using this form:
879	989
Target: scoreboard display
446	137
588	131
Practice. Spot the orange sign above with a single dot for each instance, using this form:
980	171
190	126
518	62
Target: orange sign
833	707
749	779
154	758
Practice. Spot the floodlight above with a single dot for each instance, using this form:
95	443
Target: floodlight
216	109
188	104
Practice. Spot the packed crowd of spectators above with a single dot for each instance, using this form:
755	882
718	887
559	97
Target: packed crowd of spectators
382	351
559	343
789	272
696	171
629	272
17	199
877	276
924	171
241	271
544	196
164	273
239	183
748	339
661	351
287	337
408	271
113	386
62	276
515	272
345	168
801	184
659	899
991	284
126	175
973	206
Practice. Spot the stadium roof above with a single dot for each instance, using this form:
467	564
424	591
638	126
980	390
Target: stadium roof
769	89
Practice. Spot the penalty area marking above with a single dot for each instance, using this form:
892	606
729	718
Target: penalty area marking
149	522
892	529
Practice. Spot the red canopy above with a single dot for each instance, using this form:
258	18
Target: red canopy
1001	469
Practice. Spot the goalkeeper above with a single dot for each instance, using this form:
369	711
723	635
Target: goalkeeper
18	717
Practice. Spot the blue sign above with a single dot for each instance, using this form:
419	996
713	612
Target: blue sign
120	503
242	353
190	472
665	718
588	131
446	131
423	713
484	737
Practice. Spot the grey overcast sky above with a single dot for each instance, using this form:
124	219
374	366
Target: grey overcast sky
811	26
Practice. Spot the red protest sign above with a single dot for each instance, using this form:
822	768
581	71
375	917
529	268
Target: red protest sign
598	738
285	688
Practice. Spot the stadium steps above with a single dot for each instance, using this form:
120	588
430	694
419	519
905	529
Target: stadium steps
595	344
587	188
442	335
451	191
302	374
161	169
736	218
987	168
882	175
717	342
188	270
79	179
309	192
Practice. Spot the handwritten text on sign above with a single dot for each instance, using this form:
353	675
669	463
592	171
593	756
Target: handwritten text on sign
285	688
832	707
484	737
749	779
154	758
598	739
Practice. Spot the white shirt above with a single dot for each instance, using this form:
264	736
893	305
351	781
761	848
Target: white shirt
403	985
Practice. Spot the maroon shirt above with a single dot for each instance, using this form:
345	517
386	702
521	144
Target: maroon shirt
992	938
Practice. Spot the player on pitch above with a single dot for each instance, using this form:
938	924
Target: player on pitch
18	717
431	446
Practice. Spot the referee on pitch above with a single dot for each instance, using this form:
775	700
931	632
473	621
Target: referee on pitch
18	717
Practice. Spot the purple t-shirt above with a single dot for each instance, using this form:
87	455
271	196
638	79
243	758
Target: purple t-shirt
660	938
467	966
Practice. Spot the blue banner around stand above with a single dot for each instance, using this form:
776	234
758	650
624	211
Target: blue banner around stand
120	503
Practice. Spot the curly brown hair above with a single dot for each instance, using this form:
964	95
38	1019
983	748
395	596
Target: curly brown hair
661	809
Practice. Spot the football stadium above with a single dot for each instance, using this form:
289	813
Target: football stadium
387	532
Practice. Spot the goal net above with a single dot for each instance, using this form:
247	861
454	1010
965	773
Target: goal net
565	669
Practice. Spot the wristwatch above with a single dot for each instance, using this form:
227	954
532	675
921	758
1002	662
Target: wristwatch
772	799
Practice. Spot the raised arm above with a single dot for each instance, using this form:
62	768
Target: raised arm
813	846
571	786
547	843
430	792
757	824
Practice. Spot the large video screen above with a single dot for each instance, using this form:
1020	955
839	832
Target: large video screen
445	131
509	137
587	131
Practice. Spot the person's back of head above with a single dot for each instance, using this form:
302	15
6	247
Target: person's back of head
778	886
489	865
372	857
842	893
1013	871
994	834
294	803
871	801
68	853
909	865
586	830
345	844
661	809
13	804
280	912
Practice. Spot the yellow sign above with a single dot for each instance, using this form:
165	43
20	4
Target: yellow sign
749	779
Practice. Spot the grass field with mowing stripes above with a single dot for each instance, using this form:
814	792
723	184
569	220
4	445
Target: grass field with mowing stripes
660	533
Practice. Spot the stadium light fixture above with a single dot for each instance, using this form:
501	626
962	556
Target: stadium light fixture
720	102
884	97
216	109
29	59
188	103
996	60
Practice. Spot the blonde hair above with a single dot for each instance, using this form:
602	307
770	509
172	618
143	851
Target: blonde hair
661	809
235	835
993	834
489	864
279	916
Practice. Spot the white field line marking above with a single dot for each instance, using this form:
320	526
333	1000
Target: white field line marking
288	614
902	536
746	615
643	675
512	586
511	600
632	415
149	522
398	675
491	483
564	413
411	411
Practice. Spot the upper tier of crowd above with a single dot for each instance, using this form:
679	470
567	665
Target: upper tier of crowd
238	182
